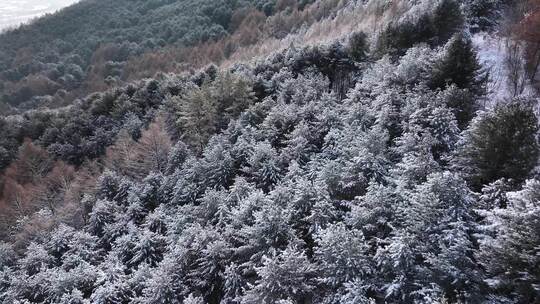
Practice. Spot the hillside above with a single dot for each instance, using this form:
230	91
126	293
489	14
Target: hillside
94	45
348	152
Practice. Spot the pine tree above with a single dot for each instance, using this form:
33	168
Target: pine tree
440	218
36	259
264	167
358	46
509	250
148	249
167	282
111	285
75	297
459	66
156	221
500	143
82	277
432	25
287	275
233	95
7	255
58	242
233	284
342	255
355	293
310	208
218	164
101	215
177	156
191	299
269	229
83	247
148	194
208	275
483	15
494	195
396	268
375	212
446	19
463	104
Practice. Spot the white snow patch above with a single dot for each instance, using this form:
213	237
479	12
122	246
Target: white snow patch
491	52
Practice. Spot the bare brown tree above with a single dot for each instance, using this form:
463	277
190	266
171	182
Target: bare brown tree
528	30
137	159
153	148
521	29
515	66
121	156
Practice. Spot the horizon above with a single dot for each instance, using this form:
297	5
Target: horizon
16	12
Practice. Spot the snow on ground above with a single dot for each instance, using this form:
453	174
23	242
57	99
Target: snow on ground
491	54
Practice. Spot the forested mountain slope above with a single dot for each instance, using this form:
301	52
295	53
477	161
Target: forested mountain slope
363	170
96	44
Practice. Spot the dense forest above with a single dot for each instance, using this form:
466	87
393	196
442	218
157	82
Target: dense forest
95	44
375	163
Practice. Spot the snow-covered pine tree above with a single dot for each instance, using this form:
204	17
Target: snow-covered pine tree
286	275
509	247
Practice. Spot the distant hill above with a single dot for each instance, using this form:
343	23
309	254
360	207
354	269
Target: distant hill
49	61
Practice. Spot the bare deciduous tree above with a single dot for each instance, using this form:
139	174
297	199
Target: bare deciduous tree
136	159
120	156
522	31
153	149
515	66
528	30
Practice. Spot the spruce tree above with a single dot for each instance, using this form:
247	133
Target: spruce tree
500	143
358	46
459	65
342	255
463	104
286	275
509	248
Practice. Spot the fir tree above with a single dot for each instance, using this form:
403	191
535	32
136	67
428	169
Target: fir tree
509	250
500	143
342	255
149	249
459	66
287	275
358	46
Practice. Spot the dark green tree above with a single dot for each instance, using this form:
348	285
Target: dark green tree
459	66
197	116
500	143
433	27
446	19
463	104
358	46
